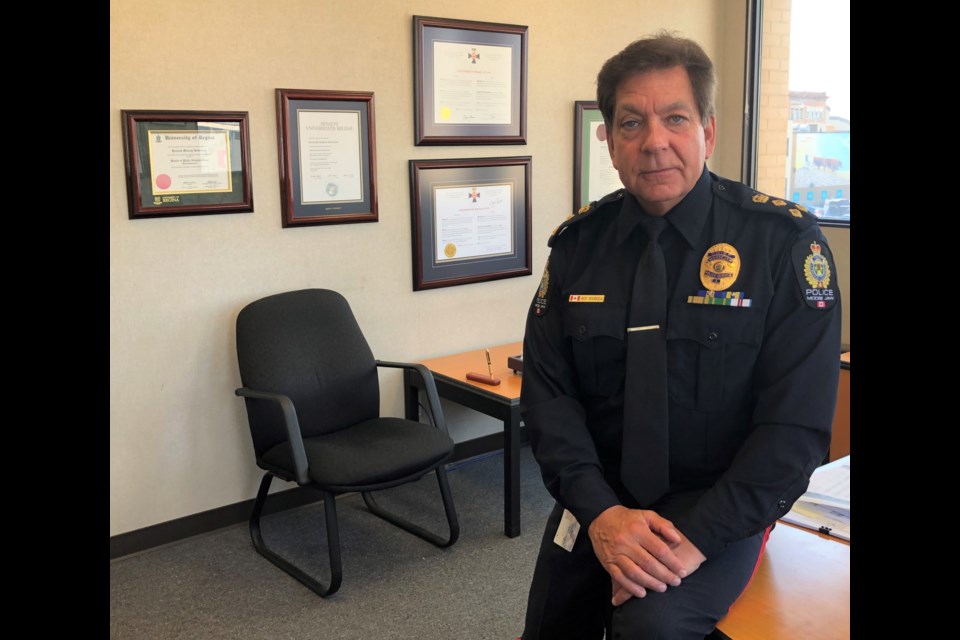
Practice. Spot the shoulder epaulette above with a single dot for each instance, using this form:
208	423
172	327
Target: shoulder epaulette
753	200
584	213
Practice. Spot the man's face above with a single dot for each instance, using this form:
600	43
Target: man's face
657	142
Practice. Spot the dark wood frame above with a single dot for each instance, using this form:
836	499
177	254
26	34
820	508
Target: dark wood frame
427	132
424	175
137	160
295	213
579	152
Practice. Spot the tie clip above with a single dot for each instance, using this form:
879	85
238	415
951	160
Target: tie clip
646	328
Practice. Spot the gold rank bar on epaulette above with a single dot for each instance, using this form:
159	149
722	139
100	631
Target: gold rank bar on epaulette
794	208
721	298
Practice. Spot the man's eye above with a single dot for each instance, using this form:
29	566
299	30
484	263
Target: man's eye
630	124
675	119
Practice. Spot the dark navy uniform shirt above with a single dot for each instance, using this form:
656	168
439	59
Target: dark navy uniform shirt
753	346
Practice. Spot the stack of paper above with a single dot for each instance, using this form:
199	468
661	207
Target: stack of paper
825	507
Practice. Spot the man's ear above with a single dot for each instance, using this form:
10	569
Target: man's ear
710	137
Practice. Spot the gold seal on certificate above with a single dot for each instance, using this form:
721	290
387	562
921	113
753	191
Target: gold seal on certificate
450	250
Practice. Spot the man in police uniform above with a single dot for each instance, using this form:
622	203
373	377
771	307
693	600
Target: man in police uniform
752	335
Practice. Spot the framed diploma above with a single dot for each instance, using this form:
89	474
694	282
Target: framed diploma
593	172
181	163
470	82
328	158
471	220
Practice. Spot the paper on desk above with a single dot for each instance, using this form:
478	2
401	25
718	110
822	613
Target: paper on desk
830	485
836	522
825	506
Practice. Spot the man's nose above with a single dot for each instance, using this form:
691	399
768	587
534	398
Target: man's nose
656	137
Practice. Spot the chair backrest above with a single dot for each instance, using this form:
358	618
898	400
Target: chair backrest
306	345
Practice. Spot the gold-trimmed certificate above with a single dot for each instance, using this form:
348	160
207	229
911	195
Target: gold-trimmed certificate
472	83
473	221
188	161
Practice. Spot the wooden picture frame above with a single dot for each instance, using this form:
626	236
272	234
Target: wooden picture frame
181	163
593	172
328	159
471	220
470	82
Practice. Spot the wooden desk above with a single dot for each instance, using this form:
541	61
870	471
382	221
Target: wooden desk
800	590
501	402
840	440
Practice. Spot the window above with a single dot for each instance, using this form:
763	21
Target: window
802	109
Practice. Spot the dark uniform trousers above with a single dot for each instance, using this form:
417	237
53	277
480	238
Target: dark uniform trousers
570	593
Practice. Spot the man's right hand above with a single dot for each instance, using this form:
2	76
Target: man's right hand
634	547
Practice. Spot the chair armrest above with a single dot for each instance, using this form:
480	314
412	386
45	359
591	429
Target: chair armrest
433	398
291	422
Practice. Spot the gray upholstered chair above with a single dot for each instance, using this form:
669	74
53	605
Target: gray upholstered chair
312	395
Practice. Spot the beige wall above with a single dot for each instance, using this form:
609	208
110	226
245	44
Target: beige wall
178	435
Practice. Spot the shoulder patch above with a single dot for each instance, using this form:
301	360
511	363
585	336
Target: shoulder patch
816	273
584	211
543	292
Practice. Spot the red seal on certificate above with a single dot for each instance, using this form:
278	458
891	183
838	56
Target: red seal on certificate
163	181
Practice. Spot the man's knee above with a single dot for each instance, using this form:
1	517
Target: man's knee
659	616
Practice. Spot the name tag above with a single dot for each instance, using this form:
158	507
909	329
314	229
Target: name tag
580	297
567	531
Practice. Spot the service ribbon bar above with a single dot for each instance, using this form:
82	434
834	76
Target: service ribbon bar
722	298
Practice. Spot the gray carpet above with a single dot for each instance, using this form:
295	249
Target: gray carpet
395	586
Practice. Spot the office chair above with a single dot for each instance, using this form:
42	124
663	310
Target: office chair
312	394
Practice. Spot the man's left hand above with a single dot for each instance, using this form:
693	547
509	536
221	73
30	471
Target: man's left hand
686	551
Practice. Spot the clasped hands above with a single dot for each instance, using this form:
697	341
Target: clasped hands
641	551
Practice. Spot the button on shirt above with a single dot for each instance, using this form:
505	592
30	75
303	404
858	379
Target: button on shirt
752	388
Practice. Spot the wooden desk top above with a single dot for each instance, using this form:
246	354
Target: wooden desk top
801	590
457	366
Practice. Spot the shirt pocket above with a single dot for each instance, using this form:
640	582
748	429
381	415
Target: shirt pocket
596	334
711	355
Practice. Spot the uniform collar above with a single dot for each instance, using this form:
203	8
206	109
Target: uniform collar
688	217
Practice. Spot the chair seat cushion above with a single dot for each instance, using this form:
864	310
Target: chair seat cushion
376	451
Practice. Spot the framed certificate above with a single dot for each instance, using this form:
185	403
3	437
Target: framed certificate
593	172
470	82
328	158
471	220
182	163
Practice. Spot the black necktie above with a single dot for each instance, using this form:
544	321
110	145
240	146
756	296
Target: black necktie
645	454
